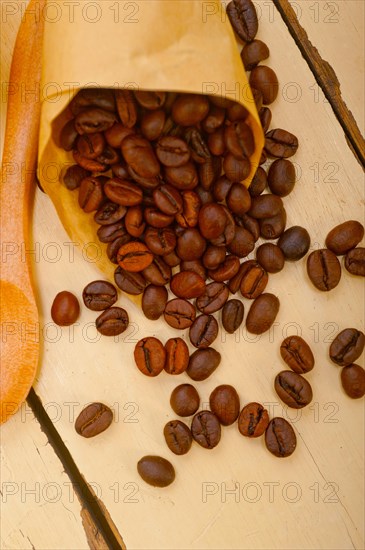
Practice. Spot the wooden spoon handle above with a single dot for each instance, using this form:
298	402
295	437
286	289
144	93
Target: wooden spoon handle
20	147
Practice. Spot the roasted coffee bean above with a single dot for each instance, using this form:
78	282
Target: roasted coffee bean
280	438
253	420
232	315
264	79
344	237
68	136
236	111
294	243
131	283
139	154
281	177
263	157
258	98
172	259
88	164
214	256
146	183
157	219
90	146
227	270
212	220
123	192
190	245
115	135
280	143
324	269
355	261
160	241
91	194
229	231
238	199
265	206
153	301
206	429
109	233
203	363
297	354
243	18
190	109
112	322
172	151
239	139
110	213
254	280
235	283
168	200
109	156
274	227
152	124
199	149
126	105
150	100
185	400
262	313
177	356
265	118
179	313
156	471
347	346
183	177
204	195
196	266
74	176
270	257
178	437
134	257
221	188
236	169
209	172
254	52
213	299
93	420
120	170
65	309
134	222
216	142
225	404
203	331
150	356
214	119
114	246
187	284
158	273
249	223
258	183
99	295
353	381
293	389
94	120
242	244
191	204
92	97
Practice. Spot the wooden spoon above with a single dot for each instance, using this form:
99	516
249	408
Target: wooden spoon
18	309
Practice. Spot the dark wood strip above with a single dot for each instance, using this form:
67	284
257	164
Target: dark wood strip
100	530
326	79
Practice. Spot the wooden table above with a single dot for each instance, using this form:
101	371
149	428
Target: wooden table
238	496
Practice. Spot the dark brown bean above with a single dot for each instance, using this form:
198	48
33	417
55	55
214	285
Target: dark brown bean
297	354
203	331
65	309
353	381
324	269
150	100
347	346
294	243
239	139
281	177
243	243
258	183
156	471
254	52
235	283
185	400
194	265
109	233
172	151
139	154
243	18
216	142
280	438
187	284
94	120
179	314
236	169
190	109
177	356
157	219
91	194
253	420
342	238
265	118
225	404
158	273
134	222
154	301
280	143
191	245
293	389
112	322
232	315
172	259
150	356
160	241
110	213
236	111
212	220
265	206
126	105
114	246
123	192
168	200
262	313
274	227
355	261
270	257
131	283
134	256
91	146
254	280
206	429
227	270
182	177
115	135
203	363
74	176
199	149
191	204
93	420
251	224
264	79
99	295
214	256
239	199
213	299
229	231
214	119
152	124
178	437
88	164
68	136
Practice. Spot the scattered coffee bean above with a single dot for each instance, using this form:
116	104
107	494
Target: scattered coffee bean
177	356
264	79
253	53
258	183
281	177
262	313
294	243
280	143
178	437
254	280
270	257
280	438
65	309
344	237
293	389
93	420
156	471
353	381
112	322
134	257
187	284
274	227
265	206
225	404
243	18
150	356
132	283
179	313
355	261
297	354
154	301
185	400
203	331
232	315
203	363
347	346
206	429
99	295
324	269
253	420
213	299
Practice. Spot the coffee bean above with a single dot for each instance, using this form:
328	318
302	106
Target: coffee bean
243	18
123	192
235	283
228	269
213	299
239	139
280	438
90	146
158	272
293	389
281	177
152	124
214	256
131	283
238	199
153	301
216	142
236	111
160	241
236	169
265	119
190	109
212	220
196	266
254	280
265	206
115	135
262	313
179	314
168	200
178	437
258	98
114	246
264	79
187	284
91	194
253	420
172	259
229	231
203	331
258	183
232	315
199	149
93	420
203	363
109	156
344	237
347	346
134	257
172	151
185	400
249	223
157	219
120	170
74	176
182	177
355	261
214	119
99	295
294	243
150	100
140	156
68	136
190	210
88	164
94	120
150	356
206	429
254	52
297	354
110	213
324	269
353	380
177	356
112	322
191	245
274	227
280	143
156	471
92	97
126	106
65	309
225	404
109	233
270	257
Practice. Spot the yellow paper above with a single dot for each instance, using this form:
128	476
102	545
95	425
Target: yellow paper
175	45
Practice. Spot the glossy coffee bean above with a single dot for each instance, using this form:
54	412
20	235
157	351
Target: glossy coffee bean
74	176
172	151
213	299
190	109
91	194
131	283
216	142
158	272
112	322
324	269
224	402
232	315
262	313
65	309
189	215
178	437
274	227
134	257
179	313
214	119
265	118
196	266
114	246
191	245
235	283
187	284
68	136
293	389
264	79
254	280
203	331
270	257
203	363
172	259
297	354
265	206
353	381
214	256
168	200
206	429
154	301
253	420
93	420
92	165
92	97
111	232
134	222
236	169
243	18
94	120
156	471
115	135
110	213
258	183
344	237
198	147
90	146
150	356
99	295
229	231
160	241
185	400
123	192
212	220
294	243
347	346
140	156
182	177
228	269
126	106
355	261
254	52
177	356
280	143
238	199
156	218
280	438
251	224
152	124
281	177
239	139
